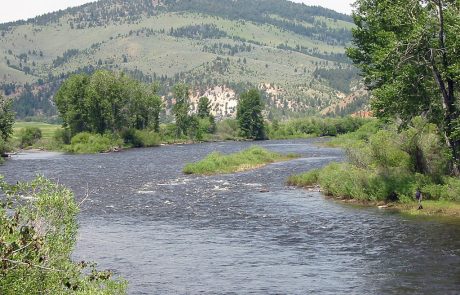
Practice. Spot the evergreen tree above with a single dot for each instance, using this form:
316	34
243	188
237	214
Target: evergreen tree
249	115
204	107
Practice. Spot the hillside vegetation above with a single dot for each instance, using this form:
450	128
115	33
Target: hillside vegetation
293	52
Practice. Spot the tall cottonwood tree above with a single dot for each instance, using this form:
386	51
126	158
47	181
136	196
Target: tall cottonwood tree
409	54
107	102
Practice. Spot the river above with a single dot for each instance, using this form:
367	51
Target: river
170	233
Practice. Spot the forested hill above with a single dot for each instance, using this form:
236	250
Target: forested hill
294	53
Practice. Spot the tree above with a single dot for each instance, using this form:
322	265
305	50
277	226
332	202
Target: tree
181	108
249	115
407	51
204	107
6	119
204	111
155	105
70	102
107	102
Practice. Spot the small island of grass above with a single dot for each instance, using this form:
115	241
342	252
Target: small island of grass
251	158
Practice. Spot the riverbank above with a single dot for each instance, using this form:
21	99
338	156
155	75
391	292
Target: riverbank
430	207
249	159
445	208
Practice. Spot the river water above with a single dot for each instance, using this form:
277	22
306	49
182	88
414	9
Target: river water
169	233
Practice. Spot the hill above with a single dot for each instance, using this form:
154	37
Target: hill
294	53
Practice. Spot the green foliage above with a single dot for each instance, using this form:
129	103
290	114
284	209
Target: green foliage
411	66
106	102
312	126
70	102
6	125
87	143
37	235
6	119
204	107
306	179
227	129
348	181
449	190
249	115
181	108
29	136
387	165
140	138
62	136
250	158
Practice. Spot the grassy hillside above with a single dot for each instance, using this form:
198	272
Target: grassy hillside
288	50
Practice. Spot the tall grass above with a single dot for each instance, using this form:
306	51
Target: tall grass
387	165
217	163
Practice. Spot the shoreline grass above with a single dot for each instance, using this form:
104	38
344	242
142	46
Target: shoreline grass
313	180
251	158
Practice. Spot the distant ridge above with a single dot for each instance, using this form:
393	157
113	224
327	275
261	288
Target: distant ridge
293	52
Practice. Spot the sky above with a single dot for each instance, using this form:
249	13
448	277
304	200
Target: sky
12	10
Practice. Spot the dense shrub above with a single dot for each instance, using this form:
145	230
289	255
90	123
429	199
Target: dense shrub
37	237
449	190
87	143
227	129
62	136
29	136
146	138
307	127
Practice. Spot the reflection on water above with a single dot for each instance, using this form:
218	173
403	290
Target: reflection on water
171	233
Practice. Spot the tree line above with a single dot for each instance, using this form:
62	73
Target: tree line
107	102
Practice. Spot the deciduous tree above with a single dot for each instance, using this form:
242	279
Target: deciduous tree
408	52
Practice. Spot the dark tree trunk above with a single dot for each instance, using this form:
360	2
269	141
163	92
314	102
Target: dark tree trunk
447	92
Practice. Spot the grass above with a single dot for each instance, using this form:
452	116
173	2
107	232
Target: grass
406	206
251	158
431	208
48	130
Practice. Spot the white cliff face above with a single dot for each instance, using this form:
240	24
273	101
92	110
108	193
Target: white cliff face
223	101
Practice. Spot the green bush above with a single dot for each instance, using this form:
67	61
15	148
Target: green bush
29	136
87	143
309	127
448	191
146	138
62	136
227	129
37	237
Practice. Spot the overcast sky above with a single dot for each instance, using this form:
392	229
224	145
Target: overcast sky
12	10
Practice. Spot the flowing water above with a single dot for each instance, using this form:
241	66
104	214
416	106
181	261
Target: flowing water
169	233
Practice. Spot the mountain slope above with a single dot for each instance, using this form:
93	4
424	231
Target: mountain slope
293	52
